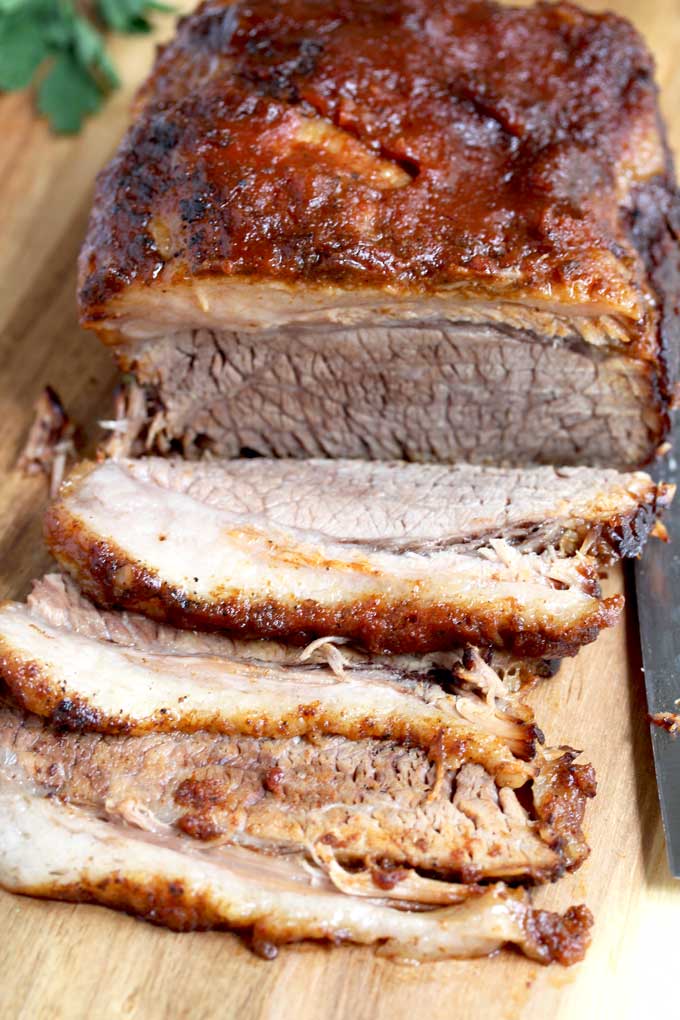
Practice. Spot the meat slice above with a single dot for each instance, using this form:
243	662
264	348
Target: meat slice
196	545
57	600
51	850
85	683
361	803
352	230
449	759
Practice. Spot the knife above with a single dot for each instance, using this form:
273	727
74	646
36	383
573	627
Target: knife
657	583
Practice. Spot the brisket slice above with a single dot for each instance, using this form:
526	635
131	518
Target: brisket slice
199	545
361	803
448	761
393	244
83	682
57	851
56	599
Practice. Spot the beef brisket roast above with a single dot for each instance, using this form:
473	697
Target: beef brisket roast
398	558
433	231
413	229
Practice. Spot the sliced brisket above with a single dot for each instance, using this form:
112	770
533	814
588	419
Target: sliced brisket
366	803
87	683
57	600
62	852
305	550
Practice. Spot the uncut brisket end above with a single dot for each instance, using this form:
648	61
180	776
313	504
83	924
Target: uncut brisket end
357	232
303	550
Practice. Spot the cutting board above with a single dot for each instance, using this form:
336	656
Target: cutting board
59	960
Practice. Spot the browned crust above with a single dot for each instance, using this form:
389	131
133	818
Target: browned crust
550	937
561	791
623	536
531	144
564	938
162	902
112	580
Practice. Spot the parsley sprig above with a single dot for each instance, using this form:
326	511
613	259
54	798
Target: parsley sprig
59	45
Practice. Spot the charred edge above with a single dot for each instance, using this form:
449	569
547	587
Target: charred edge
164	903
560	796
654	227
76	714
624	536
32	690
106	574
559	938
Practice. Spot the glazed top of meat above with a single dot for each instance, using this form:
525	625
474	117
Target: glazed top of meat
396	148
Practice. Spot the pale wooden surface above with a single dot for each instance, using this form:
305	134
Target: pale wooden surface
58	960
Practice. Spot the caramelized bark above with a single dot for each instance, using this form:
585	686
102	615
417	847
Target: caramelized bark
405	144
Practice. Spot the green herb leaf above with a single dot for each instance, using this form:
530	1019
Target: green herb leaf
80	74
9	6
67	94
90	52
22	50
129	15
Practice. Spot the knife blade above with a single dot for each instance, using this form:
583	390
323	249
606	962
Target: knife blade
657	584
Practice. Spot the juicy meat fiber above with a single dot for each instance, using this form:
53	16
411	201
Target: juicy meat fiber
296	572
418	229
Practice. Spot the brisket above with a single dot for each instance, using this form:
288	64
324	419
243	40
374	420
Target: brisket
355	231
87	683
365	803
57	600
303	550
57	851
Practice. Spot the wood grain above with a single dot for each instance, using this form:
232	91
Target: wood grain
63	961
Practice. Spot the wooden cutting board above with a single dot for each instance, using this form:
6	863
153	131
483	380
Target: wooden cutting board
58	960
